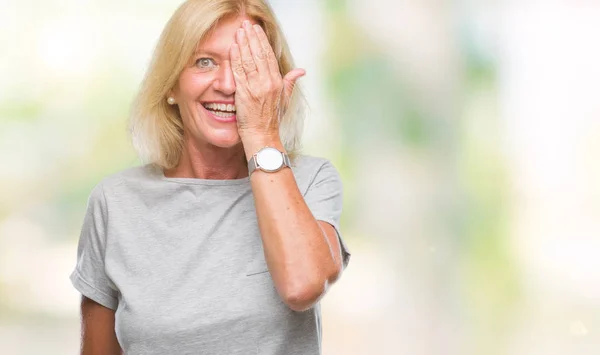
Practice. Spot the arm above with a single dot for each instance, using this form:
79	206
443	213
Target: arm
98	329
303	254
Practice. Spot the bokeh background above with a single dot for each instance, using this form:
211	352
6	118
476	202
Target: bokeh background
467	134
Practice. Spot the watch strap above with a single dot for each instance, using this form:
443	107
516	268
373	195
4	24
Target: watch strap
286	160
252	165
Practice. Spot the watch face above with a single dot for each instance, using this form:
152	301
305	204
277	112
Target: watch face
269	159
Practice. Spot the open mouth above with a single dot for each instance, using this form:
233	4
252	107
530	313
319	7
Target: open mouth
226	111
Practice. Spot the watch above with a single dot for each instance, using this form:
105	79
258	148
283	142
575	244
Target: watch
268	159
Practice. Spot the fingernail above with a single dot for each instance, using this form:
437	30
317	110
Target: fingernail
246	23
241	32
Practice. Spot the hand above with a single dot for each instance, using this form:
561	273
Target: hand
261	93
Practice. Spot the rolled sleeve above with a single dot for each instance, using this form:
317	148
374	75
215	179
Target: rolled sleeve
89	276
324	198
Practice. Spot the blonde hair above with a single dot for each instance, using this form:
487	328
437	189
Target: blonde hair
156	127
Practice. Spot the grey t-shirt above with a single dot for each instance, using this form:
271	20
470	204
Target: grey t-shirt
181	261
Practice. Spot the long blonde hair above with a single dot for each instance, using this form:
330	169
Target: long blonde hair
155	126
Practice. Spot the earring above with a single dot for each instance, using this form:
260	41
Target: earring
171	100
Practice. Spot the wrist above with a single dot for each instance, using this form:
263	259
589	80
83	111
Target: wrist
253	145
268	159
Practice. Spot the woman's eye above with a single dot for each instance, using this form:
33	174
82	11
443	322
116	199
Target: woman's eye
205	63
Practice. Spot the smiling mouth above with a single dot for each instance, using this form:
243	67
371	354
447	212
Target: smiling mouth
220	110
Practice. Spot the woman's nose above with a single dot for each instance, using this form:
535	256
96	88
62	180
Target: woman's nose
225	82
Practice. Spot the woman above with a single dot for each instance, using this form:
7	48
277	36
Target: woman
227	239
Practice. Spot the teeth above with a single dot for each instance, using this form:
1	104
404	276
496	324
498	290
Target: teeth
222	114
220	107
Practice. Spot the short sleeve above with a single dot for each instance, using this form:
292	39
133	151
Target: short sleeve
89	276
324	198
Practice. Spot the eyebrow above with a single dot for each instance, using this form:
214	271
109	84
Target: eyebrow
208	53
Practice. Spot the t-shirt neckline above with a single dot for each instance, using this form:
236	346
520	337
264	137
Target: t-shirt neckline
210	182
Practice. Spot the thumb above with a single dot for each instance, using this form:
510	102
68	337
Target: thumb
289	80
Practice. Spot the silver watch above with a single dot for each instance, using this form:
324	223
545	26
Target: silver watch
268	159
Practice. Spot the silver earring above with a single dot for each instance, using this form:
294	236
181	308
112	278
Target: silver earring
171	100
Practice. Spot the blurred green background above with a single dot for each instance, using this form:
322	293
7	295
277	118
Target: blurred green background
467	135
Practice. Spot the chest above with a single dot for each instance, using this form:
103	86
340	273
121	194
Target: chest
191	271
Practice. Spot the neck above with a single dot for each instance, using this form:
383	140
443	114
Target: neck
201	160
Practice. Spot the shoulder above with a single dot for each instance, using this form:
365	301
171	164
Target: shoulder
309	170
307	166
136	177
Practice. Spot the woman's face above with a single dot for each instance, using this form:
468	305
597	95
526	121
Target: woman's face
206	87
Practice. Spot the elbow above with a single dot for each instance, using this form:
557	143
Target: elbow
306	295
335	273
304	298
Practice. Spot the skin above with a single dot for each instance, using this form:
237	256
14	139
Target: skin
303	254
98	329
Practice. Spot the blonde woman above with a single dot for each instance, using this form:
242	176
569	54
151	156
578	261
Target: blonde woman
226	240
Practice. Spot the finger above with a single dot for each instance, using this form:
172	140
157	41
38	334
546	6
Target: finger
268	50
235	58
246	56
289	81
258	53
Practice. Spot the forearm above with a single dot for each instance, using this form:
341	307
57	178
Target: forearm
297	251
